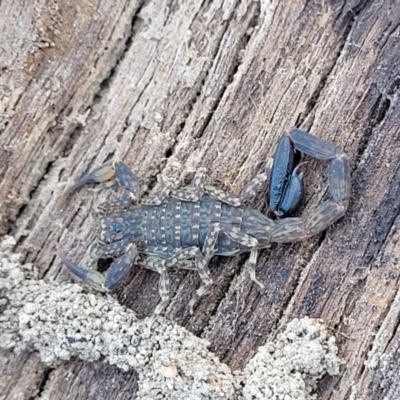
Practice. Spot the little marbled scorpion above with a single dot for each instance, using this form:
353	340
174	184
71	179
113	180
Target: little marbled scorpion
185	227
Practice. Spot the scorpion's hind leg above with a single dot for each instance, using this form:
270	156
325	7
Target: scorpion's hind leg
115	274
250	266
236	235
202	258
192	192
209	249
257	184
107	172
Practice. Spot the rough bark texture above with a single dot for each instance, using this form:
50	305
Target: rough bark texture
215	85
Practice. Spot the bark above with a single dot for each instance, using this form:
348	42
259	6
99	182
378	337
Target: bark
214	85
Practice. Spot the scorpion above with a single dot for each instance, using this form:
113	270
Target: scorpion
184	227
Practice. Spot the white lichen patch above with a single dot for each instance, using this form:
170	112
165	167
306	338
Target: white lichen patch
62	320
290	366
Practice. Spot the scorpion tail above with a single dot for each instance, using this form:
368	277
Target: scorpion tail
89	276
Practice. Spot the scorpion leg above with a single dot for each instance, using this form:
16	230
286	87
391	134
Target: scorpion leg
221	195
248	241
170	189
202	258
180	260
158	265
210	242
164	292
195	191
205	256
159	196
250	266
186	264
257	184
201	263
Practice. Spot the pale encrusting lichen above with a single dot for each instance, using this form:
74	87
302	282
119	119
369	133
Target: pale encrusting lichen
61	321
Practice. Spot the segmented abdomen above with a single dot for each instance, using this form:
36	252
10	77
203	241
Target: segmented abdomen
179	224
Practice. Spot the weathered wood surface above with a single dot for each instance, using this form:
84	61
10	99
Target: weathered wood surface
213	85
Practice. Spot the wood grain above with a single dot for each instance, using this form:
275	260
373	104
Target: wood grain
212	85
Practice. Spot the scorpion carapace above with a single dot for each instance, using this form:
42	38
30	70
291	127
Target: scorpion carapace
186	227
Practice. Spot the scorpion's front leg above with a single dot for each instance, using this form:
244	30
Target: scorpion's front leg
117	271
295	229
118	171
158	265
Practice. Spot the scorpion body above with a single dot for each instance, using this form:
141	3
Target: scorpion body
162	230
185	228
